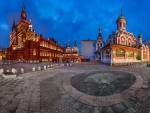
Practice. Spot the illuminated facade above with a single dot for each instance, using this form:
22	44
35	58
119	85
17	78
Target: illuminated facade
71	55
123	48
28	46
3	53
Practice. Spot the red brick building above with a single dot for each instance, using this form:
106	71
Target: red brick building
26	45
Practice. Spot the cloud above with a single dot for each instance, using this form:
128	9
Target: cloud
4	26
77	26
106	30
80	19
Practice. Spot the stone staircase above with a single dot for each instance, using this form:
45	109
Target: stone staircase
93	62
22	60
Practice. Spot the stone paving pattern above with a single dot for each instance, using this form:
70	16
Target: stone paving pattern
43	91
101	100
102	83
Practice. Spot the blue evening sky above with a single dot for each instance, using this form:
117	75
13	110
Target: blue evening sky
75	19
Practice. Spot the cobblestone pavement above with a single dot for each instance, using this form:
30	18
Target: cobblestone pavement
9	89
43	92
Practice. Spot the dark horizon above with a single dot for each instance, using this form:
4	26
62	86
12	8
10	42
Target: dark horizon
69	20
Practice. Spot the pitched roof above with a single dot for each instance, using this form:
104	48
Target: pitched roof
147	41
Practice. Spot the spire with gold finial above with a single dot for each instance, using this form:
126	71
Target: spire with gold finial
75	43
121	11
23	14
140	38
121	21
23	6
13	20
140	33
13	25
121	16
68	43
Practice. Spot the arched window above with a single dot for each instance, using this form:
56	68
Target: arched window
101	44
120	52
120	24
130	53
129	42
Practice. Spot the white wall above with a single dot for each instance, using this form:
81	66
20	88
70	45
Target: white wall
88	49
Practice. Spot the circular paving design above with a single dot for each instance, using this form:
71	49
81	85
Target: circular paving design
102	88
102	83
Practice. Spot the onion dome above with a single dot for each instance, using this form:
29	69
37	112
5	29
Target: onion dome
121	17
100	28
139	36
100	32
30	28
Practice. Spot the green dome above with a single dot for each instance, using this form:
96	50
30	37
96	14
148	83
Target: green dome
121	17
100	28
140	36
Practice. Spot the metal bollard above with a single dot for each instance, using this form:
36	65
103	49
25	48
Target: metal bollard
39	68
33	69
22	70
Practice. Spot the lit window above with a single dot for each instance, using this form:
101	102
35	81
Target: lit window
34	52
120	52
130	53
